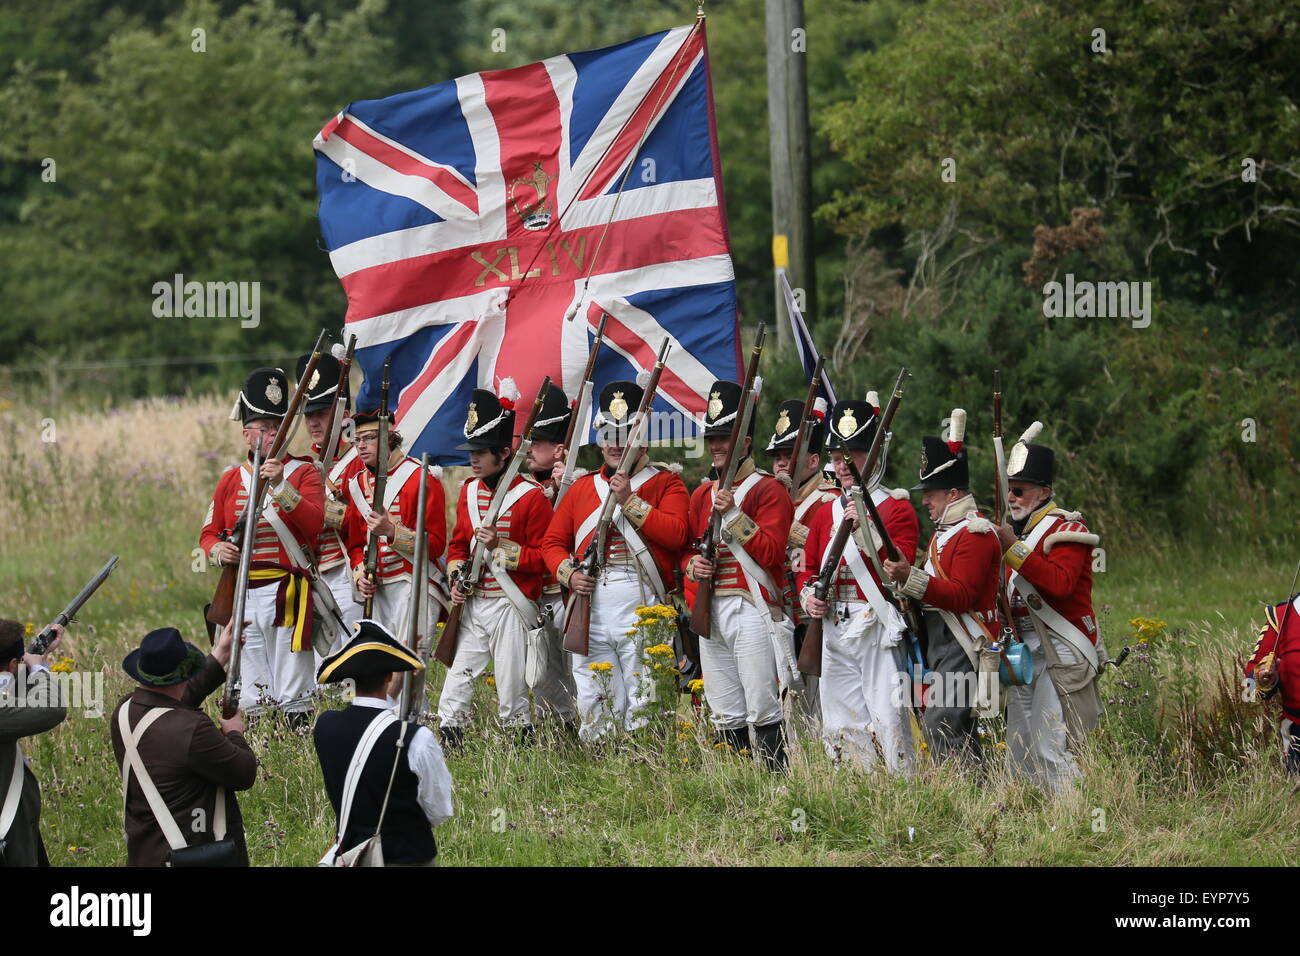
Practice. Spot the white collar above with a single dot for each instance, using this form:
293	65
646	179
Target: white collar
386	704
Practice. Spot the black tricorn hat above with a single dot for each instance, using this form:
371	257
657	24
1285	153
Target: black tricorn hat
943	462
553	420
720	412
163	659
852	425
489	422
324	384
1030	462
264	395
789	418
371	653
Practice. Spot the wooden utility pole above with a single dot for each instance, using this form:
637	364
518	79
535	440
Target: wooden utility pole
787	112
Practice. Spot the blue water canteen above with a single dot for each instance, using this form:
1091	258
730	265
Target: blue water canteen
1022	662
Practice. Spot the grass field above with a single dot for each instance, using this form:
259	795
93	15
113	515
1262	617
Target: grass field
1180	773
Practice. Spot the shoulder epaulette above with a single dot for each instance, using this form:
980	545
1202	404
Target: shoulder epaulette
979	524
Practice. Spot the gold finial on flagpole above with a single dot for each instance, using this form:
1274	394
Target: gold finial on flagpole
699	11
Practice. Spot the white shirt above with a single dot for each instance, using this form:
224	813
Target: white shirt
426	761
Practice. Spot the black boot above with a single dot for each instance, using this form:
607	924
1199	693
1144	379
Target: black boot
771	747
737	739
453	738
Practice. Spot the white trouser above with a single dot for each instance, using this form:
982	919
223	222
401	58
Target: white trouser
490	631
392	607
339	581
862	707
617	697
271	673
555	693
1036	737
739	664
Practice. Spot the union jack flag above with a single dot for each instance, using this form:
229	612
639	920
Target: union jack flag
480	227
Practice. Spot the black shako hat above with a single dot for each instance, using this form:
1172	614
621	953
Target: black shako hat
490	418
553	420
852	425
723	404
368	421
264	395
943	462
323	387
789	419
163	659
616	411
1030	462
371	653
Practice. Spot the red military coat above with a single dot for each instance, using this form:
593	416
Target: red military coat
521	528
657	508
299	502
900	522
1280	636
966	560
394	562
330	549
1059	566
763	528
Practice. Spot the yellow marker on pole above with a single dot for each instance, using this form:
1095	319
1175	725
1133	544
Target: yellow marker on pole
781	252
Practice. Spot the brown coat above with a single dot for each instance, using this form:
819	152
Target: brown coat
40	710
188	758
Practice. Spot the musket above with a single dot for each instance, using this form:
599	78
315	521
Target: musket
810	655
702	612
688	664
805	428
330	449
252	512
219	611
381	486
1001	486
470	581
42	641
581	405
577	627
412	703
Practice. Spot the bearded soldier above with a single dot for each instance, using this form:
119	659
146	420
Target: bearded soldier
555	689
393	522
497	617
645	536
331	555
863	712
1048	558
810	492
1269	671
749	656
277	655
958	585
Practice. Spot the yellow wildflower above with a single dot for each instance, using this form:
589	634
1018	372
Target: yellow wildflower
28	628
631	633
924	745
492	682
600	667
1001	745
695	686
659	650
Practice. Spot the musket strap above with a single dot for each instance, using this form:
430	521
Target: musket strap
635	543
157	805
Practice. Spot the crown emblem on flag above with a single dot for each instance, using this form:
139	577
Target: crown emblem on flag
539	214
617	406
273	392
847	425
471	418
715	404
783	422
